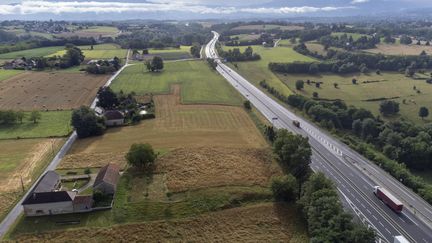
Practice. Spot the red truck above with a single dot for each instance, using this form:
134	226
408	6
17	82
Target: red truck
388	199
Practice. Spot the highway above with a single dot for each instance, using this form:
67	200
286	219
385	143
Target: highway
353	175
16	211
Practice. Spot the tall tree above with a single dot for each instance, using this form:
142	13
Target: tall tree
86	123
107	99
157	63
141	155
423	112
294	153
35	116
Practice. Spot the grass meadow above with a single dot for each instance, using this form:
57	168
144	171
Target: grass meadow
5	74
255	71
369	86
103	51
36	52
52	124
199	84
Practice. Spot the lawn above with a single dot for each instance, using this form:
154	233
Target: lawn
257	71
52	124
103	51
387	85
199	84
36	52
5	74
399	49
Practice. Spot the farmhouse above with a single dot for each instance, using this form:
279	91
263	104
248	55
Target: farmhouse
114	118
107	178
47	199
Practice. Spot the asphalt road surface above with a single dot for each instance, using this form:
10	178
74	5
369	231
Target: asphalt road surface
353	175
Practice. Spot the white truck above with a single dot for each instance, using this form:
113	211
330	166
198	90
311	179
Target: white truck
400	239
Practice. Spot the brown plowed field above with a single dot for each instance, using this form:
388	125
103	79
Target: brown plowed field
259	223
49	90
198	168
176	125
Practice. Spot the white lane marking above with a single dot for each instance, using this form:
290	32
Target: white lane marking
379	222
410	219
362	205
388	231
374	217
403	220
368	211
344	185
428	210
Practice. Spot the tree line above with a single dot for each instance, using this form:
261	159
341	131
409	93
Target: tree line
313	192
348	42
348	62
104	66
401	145
10	117
235	55
73	57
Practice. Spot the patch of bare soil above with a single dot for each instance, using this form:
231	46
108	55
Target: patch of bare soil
84	160
203	167
258	223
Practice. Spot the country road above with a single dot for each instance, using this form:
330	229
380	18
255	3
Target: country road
18	209
353	175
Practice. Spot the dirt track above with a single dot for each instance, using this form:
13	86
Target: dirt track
49	90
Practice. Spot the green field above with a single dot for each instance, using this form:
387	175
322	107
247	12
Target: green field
199	84
36	52
52	123
172	53
103	51
5	74
246	37
101	29
257	71
355	36
386	85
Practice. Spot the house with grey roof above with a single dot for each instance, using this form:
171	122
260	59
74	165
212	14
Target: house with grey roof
107	178
46	198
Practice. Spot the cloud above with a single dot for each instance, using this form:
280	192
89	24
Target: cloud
359	1
191	6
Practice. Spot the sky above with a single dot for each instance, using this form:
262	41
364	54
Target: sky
184	9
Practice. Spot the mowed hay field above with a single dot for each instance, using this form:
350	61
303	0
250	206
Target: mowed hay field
399	49
176	125
24	158
102	51
199	84
266	222
49	90
370	86
197	168
256	71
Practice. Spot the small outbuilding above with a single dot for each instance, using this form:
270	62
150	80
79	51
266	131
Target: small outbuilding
107	178
114	118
